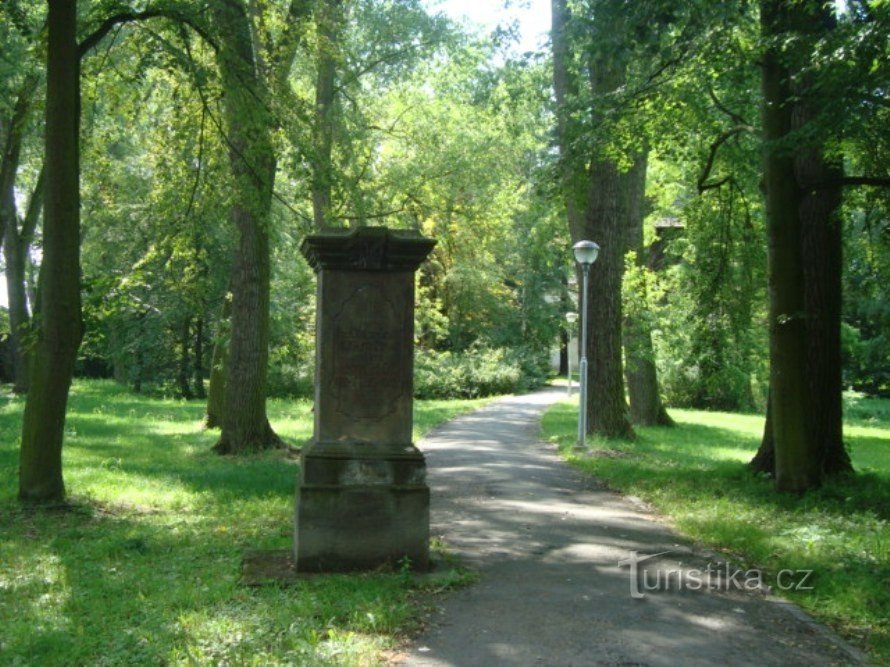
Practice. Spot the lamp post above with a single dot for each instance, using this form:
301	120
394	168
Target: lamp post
571	318
585	254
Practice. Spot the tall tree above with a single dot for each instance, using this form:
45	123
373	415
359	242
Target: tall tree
596	189
827	90
250	70
797	456
59	327
646	407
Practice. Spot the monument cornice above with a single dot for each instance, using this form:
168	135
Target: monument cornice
366	249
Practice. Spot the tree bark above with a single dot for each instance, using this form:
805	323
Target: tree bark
216	393
764	460
646	407
821	248
607	412
185	338
329	21
60	327
16	242
796	457
199	359
249	125
565	89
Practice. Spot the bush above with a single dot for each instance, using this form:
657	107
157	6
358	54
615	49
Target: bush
289	381
476	372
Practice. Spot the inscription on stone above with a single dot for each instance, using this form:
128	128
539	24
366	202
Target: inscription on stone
368	375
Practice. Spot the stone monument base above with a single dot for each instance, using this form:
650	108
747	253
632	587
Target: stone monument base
361	507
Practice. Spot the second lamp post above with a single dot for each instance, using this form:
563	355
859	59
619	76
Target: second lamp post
585	254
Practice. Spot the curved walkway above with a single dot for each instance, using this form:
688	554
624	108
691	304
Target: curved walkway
547	542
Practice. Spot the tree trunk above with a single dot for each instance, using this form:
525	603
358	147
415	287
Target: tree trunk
821	248
185	338
16	243
606	406
329	21
119	371
19	320
60	327
216	393
572	167
249	124
796	457
199	359
646	408
764	460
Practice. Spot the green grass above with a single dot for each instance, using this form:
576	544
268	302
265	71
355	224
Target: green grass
695	474
142	567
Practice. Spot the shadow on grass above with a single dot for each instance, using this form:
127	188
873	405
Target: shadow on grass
120	586
701	462
115	439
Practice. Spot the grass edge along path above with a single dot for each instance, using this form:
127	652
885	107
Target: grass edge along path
142	566
695	475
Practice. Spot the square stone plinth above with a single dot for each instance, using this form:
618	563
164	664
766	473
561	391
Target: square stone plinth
358	509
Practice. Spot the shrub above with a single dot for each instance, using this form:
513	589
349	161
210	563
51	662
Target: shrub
289	381
476	372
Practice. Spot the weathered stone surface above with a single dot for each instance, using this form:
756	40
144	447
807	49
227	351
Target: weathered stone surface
362	499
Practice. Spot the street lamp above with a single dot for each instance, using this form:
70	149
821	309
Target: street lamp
585	254
571	318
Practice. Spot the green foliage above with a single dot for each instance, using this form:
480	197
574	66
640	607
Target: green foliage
696	475
866	329
144	565
476	372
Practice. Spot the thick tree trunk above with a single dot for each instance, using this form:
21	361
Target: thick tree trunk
245	426
821	247
199	359
820	251
764	460
796	456
60	327
606	407
646	408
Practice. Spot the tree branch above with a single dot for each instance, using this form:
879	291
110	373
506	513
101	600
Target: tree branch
32	214
93	39
736	118
868	181
703	185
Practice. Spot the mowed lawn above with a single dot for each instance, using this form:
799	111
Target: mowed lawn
142	566
695	475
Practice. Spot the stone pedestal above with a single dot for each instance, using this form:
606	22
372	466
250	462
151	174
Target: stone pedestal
362	498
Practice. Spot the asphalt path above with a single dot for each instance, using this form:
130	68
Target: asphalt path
571	573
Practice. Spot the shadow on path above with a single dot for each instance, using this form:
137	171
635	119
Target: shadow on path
547	541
